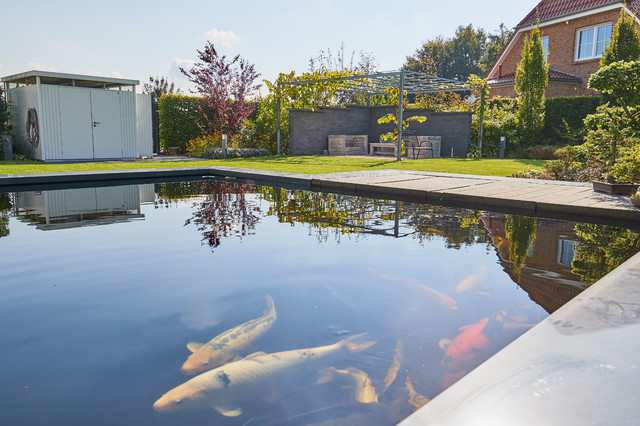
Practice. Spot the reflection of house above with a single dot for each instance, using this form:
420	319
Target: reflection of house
546	275
71	208
573	36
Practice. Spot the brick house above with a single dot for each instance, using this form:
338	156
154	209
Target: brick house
574	33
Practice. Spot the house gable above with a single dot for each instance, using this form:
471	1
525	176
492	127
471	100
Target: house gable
560	20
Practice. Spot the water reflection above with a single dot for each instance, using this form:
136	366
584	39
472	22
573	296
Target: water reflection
5	212
72	208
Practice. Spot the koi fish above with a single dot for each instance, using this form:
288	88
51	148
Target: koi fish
226	387
392	373
471	346
472	280
415	398
227	345
438	297
358	380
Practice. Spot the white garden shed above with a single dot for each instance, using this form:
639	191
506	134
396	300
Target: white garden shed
78	117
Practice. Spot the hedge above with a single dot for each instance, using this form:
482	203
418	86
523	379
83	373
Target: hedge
572	109
179	117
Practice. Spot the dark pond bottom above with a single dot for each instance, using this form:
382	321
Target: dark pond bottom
102	289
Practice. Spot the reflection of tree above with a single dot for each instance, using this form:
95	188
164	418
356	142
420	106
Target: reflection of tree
5	213
602	249
520	231
226	212
348	215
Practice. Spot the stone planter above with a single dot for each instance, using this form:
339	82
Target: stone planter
614	188
635	201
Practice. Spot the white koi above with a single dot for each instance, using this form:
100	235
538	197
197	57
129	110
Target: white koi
227	345
226	387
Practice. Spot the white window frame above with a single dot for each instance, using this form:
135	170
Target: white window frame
595	42
546	52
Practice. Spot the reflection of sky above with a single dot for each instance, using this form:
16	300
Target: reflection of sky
117	304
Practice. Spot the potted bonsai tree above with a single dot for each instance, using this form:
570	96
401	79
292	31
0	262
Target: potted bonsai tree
614	130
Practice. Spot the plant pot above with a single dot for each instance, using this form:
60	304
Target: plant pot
635	201
615	187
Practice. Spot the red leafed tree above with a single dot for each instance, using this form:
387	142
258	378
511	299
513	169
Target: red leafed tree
225	85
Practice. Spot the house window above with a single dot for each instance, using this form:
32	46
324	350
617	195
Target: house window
545	47
566	251
592	40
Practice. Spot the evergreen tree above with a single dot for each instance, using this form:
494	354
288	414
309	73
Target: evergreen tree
625	42
532	77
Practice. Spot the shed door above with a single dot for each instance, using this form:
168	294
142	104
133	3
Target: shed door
75	123
107	138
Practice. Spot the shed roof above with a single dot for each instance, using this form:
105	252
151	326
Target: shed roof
62	79
552	9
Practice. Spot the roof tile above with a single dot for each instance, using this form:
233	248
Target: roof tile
550	9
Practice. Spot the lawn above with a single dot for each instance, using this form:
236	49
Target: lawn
297	164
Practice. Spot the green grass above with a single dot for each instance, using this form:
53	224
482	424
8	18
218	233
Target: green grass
297	164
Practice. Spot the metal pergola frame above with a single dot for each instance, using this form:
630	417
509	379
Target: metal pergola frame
411	82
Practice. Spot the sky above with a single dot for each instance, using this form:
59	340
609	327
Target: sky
133	40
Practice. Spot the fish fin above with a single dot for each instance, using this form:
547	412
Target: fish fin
444	344
327	376
255	355
194	346
357	342
228	411
270	306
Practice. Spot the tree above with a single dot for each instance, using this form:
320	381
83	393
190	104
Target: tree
328	61
520	231
532	76
225	85
494	45
4	113
467	50
625	42
157	87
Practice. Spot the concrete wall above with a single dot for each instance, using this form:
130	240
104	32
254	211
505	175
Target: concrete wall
309	130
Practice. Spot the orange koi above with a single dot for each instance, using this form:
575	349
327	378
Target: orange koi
415	398
392	373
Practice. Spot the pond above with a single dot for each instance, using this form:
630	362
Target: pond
341	310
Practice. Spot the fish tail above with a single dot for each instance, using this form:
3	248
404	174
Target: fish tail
356	343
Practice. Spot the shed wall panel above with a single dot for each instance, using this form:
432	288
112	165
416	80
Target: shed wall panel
49	117
128	124
144	131
54	204
21	99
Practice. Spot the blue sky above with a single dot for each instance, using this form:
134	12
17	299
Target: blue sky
133	40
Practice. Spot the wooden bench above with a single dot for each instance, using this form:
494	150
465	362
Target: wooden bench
374	145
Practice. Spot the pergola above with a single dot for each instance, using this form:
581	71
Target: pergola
411	82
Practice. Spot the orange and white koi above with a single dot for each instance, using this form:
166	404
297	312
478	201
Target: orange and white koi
227	345
471	347
225	388
358	380
392	373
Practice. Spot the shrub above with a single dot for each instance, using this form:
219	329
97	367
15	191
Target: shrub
197	147
499	120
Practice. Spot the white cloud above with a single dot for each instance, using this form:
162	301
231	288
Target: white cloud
39	67
225	38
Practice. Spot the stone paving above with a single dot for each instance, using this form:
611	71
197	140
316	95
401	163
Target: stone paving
536	197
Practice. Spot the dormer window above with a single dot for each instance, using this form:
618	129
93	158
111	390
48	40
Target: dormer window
591	41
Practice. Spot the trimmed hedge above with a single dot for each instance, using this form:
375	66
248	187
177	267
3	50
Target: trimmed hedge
216	153
572	109
179	117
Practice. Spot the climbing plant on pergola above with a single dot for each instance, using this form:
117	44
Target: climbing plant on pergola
405	81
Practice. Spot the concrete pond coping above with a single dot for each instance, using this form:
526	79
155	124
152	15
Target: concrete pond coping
579	366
